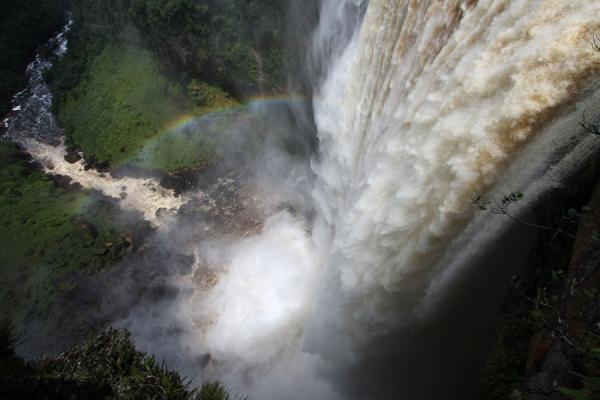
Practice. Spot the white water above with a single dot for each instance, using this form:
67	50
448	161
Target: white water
146	196
420	116
422	112
33	126
425	108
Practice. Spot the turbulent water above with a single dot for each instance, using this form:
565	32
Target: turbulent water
34	127
423	107
420	115
371	276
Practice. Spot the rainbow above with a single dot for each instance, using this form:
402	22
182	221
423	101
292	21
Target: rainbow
177	126
257	101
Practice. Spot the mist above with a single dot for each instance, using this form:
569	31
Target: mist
333	251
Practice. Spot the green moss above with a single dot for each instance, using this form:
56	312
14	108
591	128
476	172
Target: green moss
49	235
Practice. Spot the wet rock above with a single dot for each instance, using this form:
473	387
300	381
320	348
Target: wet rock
72	158
103	166
92	163
554	373
180	181
65	182
61	181
76	186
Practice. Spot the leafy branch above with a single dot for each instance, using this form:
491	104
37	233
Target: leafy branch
503	207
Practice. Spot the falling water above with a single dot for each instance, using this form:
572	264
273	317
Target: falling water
420	106
422	113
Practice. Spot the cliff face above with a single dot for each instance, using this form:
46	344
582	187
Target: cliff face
566	312
550	332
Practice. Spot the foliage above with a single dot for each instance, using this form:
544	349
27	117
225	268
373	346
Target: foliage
565	225
557	301
213	390
120	102
505	364
24	25
49	235
117	95
104	366
590	381
227	43
205	95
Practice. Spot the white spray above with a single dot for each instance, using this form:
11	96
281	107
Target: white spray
423	106
418	117
420	113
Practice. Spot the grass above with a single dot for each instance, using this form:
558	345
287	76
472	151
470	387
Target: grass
49	235
106	366
123	111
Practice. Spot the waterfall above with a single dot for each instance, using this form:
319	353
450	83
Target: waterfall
370	275
420	107
423	112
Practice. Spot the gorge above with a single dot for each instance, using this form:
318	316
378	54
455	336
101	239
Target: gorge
348	231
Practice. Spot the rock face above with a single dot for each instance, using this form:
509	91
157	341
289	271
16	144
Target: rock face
557	299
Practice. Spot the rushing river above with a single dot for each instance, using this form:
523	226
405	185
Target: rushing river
34	127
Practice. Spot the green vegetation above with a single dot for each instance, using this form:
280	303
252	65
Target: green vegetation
122	107
24	26
235	44
49	236
130	74
505	365
120	102
103	367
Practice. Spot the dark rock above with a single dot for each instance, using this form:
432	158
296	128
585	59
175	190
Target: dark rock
554	373
61	181
182	180
103	166
65	182
90	162
72	158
